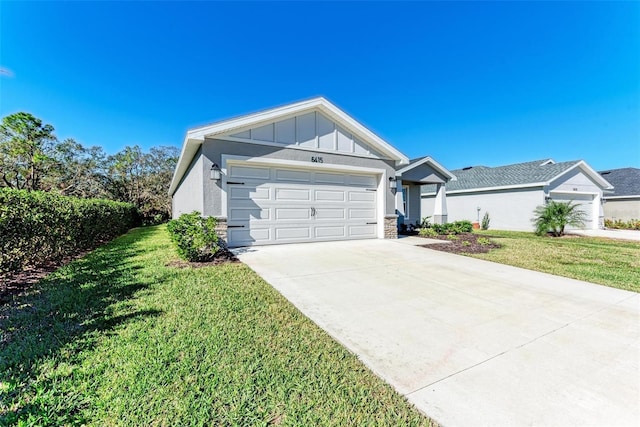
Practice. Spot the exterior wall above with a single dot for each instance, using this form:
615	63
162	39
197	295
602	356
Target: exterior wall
622	209
576	180
213	149
188	196
423	172
508	210
413	205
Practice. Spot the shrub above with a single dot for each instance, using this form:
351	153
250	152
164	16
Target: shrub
555	216
452	237
485	221
195	237
483	241
632	224
466	243
428	232
37	227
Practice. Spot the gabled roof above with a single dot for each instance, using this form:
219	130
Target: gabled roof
626	181
195	137
414	163
520	175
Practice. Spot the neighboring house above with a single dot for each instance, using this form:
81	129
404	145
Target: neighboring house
411	178
302	172
511	193
624	203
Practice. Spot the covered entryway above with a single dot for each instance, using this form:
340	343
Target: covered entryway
270	205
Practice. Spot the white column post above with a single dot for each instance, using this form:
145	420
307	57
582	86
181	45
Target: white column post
440	208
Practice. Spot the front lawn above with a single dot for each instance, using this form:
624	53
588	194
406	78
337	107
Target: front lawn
608	262
120	338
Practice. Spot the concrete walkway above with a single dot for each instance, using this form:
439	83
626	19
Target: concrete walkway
470	342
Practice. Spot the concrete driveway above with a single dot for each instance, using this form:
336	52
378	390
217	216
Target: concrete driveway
470	342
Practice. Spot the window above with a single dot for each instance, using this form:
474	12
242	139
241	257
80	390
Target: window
405	200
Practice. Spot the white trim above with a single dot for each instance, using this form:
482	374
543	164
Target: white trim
437	166
548	162
581	193
405	200
621	197
477	190
195	136
381	174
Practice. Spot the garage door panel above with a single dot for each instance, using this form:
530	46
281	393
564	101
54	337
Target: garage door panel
329	195
249	193
330	213
361	180
293	233
245	214
584	203
250	172
362	230
244	236
292	175
298	194
288	214
362	196
330	232
329	178
368	214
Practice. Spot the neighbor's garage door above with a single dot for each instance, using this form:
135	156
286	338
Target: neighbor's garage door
268	205
584	202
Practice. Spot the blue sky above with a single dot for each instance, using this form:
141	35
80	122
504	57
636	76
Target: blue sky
467	83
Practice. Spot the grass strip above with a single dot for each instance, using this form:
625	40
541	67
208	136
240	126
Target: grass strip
614	263
119	338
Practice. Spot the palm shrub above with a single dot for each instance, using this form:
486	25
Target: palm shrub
195	237
553	217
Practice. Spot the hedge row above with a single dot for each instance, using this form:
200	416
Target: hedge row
38	227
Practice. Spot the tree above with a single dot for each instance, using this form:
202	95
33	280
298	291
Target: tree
25	145
77	171
555	216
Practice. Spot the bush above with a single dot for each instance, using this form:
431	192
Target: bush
428	232
38	227
485	221
632	224
195	237
456	227
553	217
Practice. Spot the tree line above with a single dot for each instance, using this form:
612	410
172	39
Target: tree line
32	158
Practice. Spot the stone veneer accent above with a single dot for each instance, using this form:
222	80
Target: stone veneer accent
391	226
221	227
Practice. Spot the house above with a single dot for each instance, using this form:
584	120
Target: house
624	203
511	193
301	172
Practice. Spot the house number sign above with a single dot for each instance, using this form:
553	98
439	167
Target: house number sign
316	159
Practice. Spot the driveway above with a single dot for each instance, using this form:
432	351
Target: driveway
469	342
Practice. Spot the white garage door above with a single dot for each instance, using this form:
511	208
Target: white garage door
585	204
268	205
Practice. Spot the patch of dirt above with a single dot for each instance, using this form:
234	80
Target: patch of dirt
458	246
19	283
221	257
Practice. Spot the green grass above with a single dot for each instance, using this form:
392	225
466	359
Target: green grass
613	263
119	338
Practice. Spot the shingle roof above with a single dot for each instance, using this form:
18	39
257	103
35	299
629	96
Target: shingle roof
510	175
626	181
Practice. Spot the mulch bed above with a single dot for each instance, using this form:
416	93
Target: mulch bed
221	257
457	246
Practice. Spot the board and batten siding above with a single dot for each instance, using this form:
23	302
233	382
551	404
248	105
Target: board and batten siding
188	196
508	210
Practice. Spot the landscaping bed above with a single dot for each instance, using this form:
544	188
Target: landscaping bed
463	243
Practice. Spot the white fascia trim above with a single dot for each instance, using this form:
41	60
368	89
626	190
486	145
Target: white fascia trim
581	193
228	159
590	172
504	187
437	166
319	104
189	149
621	197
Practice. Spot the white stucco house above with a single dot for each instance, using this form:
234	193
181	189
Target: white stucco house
511	193
302	172
624	203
